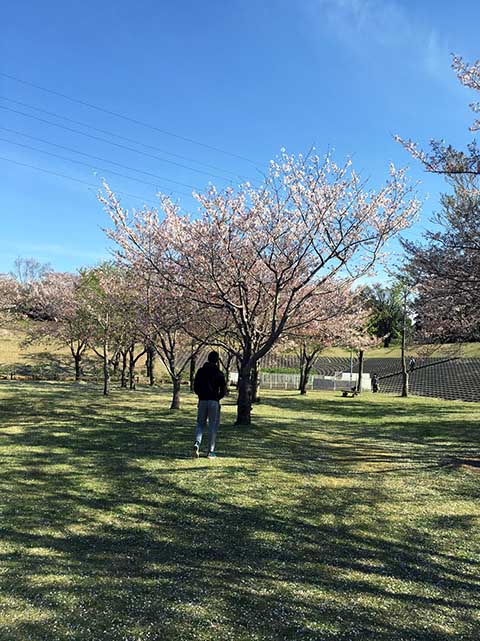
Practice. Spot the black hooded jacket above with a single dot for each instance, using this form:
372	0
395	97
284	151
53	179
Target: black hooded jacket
209	384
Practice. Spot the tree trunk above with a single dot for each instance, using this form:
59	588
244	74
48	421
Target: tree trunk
404	343
255	383
244	402
302	383
116	362
76	349
106	370
405	384
193	367
360	371
302	386
131	368
78	366
150	365
228	362
307	368
124	370
306	364
176	393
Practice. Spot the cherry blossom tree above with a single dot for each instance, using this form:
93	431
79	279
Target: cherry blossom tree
24	278
175	328
10	297
129	328
168	335
339	319
9	293
257	255
154	315
102	290
56	298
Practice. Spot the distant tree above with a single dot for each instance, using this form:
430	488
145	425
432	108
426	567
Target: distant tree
10	297
9	292
167	314
29	270
56	303
385	304
338	320
27	273
128	331
103	293
159	318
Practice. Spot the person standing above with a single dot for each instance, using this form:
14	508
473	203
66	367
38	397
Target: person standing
375	383
210	386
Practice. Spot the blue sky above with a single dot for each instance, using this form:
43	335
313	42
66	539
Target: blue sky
240	77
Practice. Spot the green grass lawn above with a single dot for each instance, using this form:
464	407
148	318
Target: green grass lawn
331	519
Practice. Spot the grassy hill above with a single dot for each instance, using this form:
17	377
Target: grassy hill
12	351
329	519
47	359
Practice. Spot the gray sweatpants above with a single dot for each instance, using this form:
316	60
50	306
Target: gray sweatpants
210	410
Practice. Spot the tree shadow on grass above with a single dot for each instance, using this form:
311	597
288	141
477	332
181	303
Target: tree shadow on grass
109	533
241	570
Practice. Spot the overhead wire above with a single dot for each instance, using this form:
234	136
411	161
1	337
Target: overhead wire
127	118
78	180
110	142
100	169
83	153
120	136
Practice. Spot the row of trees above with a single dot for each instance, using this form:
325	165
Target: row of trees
260	265
255	267
121	318
89	310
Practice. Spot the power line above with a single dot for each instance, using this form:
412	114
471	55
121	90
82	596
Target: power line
77	180
120	136
85	164
82	153
110	142
128	118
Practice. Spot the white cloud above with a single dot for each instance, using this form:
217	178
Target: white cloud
361	24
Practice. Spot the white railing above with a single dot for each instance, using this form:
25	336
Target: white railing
341	380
